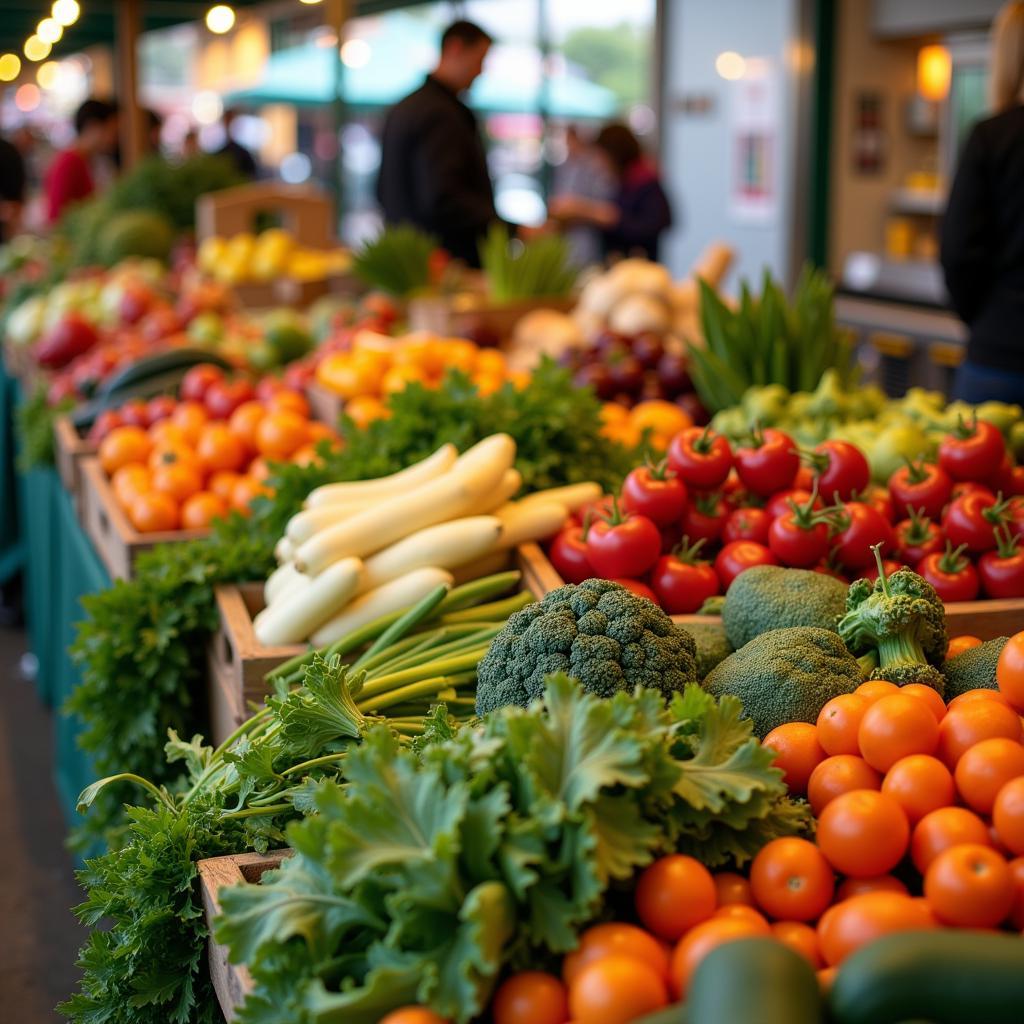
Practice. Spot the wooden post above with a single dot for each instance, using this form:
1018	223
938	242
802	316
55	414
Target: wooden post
336	12
129	26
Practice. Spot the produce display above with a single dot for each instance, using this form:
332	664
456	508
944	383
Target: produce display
245	258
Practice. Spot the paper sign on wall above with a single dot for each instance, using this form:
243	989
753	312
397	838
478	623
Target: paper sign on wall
755	138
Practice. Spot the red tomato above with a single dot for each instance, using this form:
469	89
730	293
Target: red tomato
135	413
705	517
568	554
879	498
1002	570
108	420
701	458
921	486
972	451
951	574
769	463
747	524
916	537
655	492
638	587
198	379
682	581
160	408
859	527
623	545
841	469
222	398
889	565
739	556
1015	516
971	520
964	487
798	537
778	503
1009	481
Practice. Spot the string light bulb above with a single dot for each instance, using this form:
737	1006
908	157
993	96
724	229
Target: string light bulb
10	67
65	12
49	31
36	48
220	19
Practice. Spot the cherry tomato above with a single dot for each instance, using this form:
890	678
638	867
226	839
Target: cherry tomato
655	492
733	889
769	463
623	545
801	938
962	487
778	503
531	997
674	894
920	784
896	727
1009	480
971	723
747	524
838	722
951	574
1015	516
412	1015
568	554
739	556
841	470
972	451
1010	671
971	519
638	587
791	880
1002	570
858	528
922	486
916	537
616	990
705	517
615	939
682	581
799	538
700	457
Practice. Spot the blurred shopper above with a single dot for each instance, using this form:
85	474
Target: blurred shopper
983	231
433	170
234	150
71	177
12	189
633	220
584	173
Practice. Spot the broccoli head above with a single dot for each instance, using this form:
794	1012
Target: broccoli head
712	645
904	620
786	675
597	632
768	597
974	669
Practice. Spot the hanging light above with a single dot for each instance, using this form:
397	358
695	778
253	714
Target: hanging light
26	97
49	30
355	53
36	49
10	67
730	65
934	71
220	19
309	2
48	74
65	12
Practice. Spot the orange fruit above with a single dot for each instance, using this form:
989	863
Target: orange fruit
701	939
399	377
1008	815
191	417
797	753
303	456
895	727
491	360
363	410
244	421
920	784
317	432
167	433
292	401
178	480
876	689
487	383
168	454
985	768
222	483
129	481
153	513
281	433
218	448
259	469
123	446
801	938
201	509
245	490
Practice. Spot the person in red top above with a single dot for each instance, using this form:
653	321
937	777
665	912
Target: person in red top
69	179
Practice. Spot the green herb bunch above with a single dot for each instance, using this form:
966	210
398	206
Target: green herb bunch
541	268
397	261
434	868
34	421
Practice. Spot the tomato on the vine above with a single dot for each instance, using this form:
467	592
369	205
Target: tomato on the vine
705	517
951	573
916	537
1009	480
799	537
568	554
972	451
1002	570
879	498
778	503
655	492
739	556
623	544
747	524
857	528
923	486
700	457
971	520
768	463
1015	516
889	566
683	581
964	487
841	470
638	587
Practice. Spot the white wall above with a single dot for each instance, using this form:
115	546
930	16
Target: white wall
697	153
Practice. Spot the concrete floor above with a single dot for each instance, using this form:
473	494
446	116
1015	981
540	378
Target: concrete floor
41	936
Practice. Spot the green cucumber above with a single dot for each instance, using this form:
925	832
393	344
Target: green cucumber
754	981
944	977
166	383
158	362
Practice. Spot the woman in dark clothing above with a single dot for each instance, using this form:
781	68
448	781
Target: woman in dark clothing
632	223
983	231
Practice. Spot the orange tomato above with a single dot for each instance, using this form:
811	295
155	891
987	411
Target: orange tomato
530	997
616	990
797	753
303	456
732	889
973	722
292	401
244	421
1016	915
458	353
178	480
166	433
318	432
412	1015
168	454
218	448
487	383
855	922
364	409
942	829
673	894
895	727
663	419
222	483
837	775
258	469
929	695
615	939
123	446
985	768
959	644
492	361
919	784
701	940
838	722
876	689
863	833
1010	671
190	417
977	694
350	374
791	879
129	481
281	433
153	512
245	491
969	886
801	938
201	509
740	912
1008	815
858	886
826	978
399	377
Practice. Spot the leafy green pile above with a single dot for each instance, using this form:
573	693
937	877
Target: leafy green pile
33	424
541	268
490	845
768	340
397	261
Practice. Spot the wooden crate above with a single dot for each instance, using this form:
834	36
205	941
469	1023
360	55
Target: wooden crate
117	542
324	404
470	315
231	982
20	365
70	448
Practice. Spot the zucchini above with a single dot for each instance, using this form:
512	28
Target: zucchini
754	981
944	977
159	362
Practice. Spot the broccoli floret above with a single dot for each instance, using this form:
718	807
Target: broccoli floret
768	597
786	675
904	620
974	669
598	632
713	645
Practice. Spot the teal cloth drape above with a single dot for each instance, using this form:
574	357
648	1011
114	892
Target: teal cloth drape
11	550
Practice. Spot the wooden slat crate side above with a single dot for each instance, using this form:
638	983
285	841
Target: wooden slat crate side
69	450
324	405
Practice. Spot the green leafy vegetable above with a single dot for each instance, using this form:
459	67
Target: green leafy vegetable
34	420
397	261
516	270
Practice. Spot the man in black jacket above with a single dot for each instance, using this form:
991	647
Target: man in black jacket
433	171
